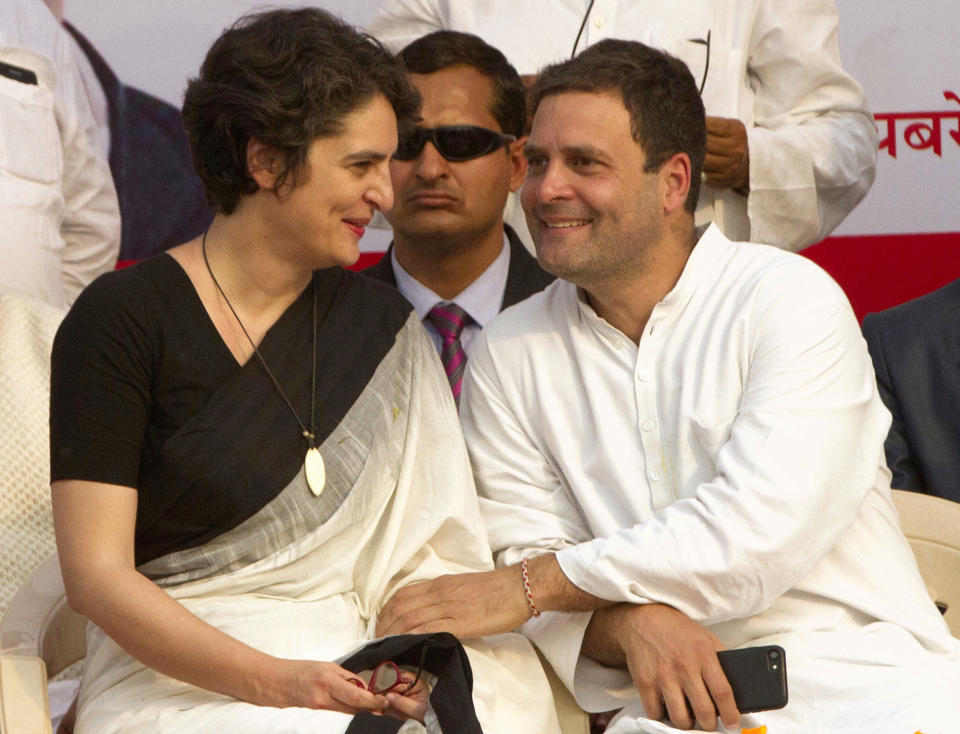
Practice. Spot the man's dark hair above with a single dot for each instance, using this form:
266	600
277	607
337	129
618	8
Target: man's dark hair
658	90
442	49
285	77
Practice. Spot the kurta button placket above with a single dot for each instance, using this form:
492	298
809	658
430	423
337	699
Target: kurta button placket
602	22
648	425
646	398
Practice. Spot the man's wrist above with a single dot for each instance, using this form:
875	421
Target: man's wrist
743	187
526	589
551	590
602	638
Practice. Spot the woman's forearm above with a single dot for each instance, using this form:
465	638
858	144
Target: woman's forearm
94	524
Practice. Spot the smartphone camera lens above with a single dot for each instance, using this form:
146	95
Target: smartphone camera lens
774	658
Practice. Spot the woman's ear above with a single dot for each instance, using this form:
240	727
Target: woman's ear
263	163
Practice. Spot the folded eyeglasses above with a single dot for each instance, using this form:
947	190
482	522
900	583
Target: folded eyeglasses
386	678
454	142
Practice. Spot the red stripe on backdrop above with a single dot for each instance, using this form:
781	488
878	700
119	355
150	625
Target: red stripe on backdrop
880	271
875	271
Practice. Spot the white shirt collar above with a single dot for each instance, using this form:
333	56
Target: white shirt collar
481	299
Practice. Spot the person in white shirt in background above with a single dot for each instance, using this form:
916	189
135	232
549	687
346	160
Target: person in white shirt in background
679	446
59	218
791	146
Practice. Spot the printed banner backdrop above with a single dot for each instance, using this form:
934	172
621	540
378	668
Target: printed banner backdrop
904	238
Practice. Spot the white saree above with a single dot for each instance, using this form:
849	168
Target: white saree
305	576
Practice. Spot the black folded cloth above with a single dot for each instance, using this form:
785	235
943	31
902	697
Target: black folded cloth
444	656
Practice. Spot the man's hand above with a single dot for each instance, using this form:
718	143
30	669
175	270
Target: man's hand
672	660
466	605
728	160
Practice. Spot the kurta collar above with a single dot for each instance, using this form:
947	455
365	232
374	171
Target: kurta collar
700	266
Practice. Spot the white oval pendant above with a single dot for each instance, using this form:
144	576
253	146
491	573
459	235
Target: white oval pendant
315	471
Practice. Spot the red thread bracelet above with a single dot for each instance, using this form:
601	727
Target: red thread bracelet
526	588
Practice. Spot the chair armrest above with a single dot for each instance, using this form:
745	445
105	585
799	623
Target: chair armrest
39	622
24	708
932	527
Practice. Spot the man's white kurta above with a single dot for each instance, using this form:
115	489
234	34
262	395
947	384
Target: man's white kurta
730	465
59	217
774	65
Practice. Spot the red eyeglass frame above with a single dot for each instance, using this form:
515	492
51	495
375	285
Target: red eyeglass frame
376	672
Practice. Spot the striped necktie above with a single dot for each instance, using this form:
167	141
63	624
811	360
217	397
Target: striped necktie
449	319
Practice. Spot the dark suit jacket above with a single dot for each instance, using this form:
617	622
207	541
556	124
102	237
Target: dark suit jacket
916	353
161	198
524	276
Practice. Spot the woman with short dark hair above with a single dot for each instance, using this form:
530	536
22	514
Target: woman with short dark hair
252	448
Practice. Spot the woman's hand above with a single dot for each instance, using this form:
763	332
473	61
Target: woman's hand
411	704
320	685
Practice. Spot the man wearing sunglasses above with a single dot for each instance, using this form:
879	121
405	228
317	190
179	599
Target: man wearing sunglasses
452	255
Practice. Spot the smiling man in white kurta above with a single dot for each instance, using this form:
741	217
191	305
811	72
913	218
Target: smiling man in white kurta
684	437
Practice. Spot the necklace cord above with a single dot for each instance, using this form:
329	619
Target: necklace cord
309	435
311	439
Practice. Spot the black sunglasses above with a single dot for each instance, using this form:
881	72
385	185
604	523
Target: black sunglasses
454	142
